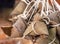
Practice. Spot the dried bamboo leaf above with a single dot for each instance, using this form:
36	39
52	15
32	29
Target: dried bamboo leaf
54	16
14	33
58	32
19	8
20	26
37	17
28	30
39	27
52	33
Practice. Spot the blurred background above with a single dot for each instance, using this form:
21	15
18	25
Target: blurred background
6	7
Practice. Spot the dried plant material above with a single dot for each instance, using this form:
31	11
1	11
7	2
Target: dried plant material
19	8
51	39
52	33
52	36
26	13
14	33
41	28
28	30
54	17
37	17
58	32
20	26
38	29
